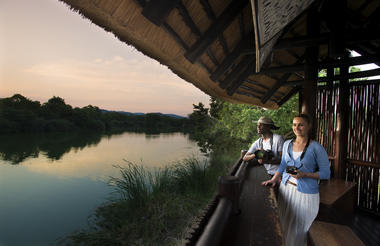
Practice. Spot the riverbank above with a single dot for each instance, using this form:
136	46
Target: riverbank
153	208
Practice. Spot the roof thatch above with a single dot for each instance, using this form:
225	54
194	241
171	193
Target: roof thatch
211	43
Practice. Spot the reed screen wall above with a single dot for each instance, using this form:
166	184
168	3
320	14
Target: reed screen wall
363	137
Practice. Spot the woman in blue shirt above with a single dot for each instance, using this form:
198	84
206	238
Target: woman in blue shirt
303	163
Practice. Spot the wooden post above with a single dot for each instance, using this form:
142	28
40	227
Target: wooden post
229	187
309	90
342	125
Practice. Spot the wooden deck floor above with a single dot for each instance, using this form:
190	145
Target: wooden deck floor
366	227
258	222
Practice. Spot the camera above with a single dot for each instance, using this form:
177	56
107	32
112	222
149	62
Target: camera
291	170
264	154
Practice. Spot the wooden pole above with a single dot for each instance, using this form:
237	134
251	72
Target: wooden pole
341	142
309	90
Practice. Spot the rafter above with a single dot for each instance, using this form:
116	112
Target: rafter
252	82
186	17
157	11
208	9
229	60
288	96
277	85
223	21
241	78
175	35
237	70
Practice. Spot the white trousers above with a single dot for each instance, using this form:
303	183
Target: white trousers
297	212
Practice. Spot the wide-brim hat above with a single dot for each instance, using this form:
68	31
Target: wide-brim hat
267	121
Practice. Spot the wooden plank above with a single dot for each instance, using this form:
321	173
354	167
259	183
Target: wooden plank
258	223
223	21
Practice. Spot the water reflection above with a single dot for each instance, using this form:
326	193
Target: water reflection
16	148
50	183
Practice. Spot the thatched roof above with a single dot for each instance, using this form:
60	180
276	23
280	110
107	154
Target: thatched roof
218	45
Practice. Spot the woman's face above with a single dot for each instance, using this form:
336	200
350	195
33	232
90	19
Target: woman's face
300	127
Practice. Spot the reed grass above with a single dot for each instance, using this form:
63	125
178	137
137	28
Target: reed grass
152	207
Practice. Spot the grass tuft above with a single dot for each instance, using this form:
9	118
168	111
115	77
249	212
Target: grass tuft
152	207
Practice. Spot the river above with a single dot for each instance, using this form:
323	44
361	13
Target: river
51	183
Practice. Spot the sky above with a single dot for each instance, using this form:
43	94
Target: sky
48	50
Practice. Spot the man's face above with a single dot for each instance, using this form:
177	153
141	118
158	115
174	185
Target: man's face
263	128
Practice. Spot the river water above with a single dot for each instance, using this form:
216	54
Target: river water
51	183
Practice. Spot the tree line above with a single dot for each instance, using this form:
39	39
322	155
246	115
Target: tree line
227	125
20	114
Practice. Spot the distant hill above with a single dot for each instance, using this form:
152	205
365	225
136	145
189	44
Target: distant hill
138	113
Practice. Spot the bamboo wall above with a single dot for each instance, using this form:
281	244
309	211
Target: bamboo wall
363	137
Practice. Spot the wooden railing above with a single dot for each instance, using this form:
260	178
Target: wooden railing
210	226
226	222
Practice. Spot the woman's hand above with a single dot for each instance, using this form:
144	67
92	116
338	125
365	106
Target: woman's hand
270	182
299	175
275	180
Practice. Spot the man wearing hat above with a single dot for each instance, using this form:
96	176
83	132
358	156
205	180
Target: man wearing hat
270	142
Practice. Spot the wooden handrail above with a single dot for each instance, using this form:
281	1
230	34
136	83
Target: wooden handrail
364	163
213	232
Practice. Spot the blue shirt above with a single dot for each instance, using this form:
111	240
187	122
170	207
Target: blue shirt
315	159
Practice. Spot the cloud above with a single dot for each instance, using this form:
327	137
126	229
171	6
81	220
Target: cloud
119	82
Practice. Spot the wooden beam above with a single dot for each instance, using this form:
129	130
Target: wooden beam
212	57
257	92
250	95
355	75
208	9
337	44
157	11
294	82
358	82
350	37
288	96
223	43
309	90
229	60
282	69
353	61
237	70
241	78
247	94
276	86
204	66
241	24
187	19
252	82
302	41
217	27
342	125
174	35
